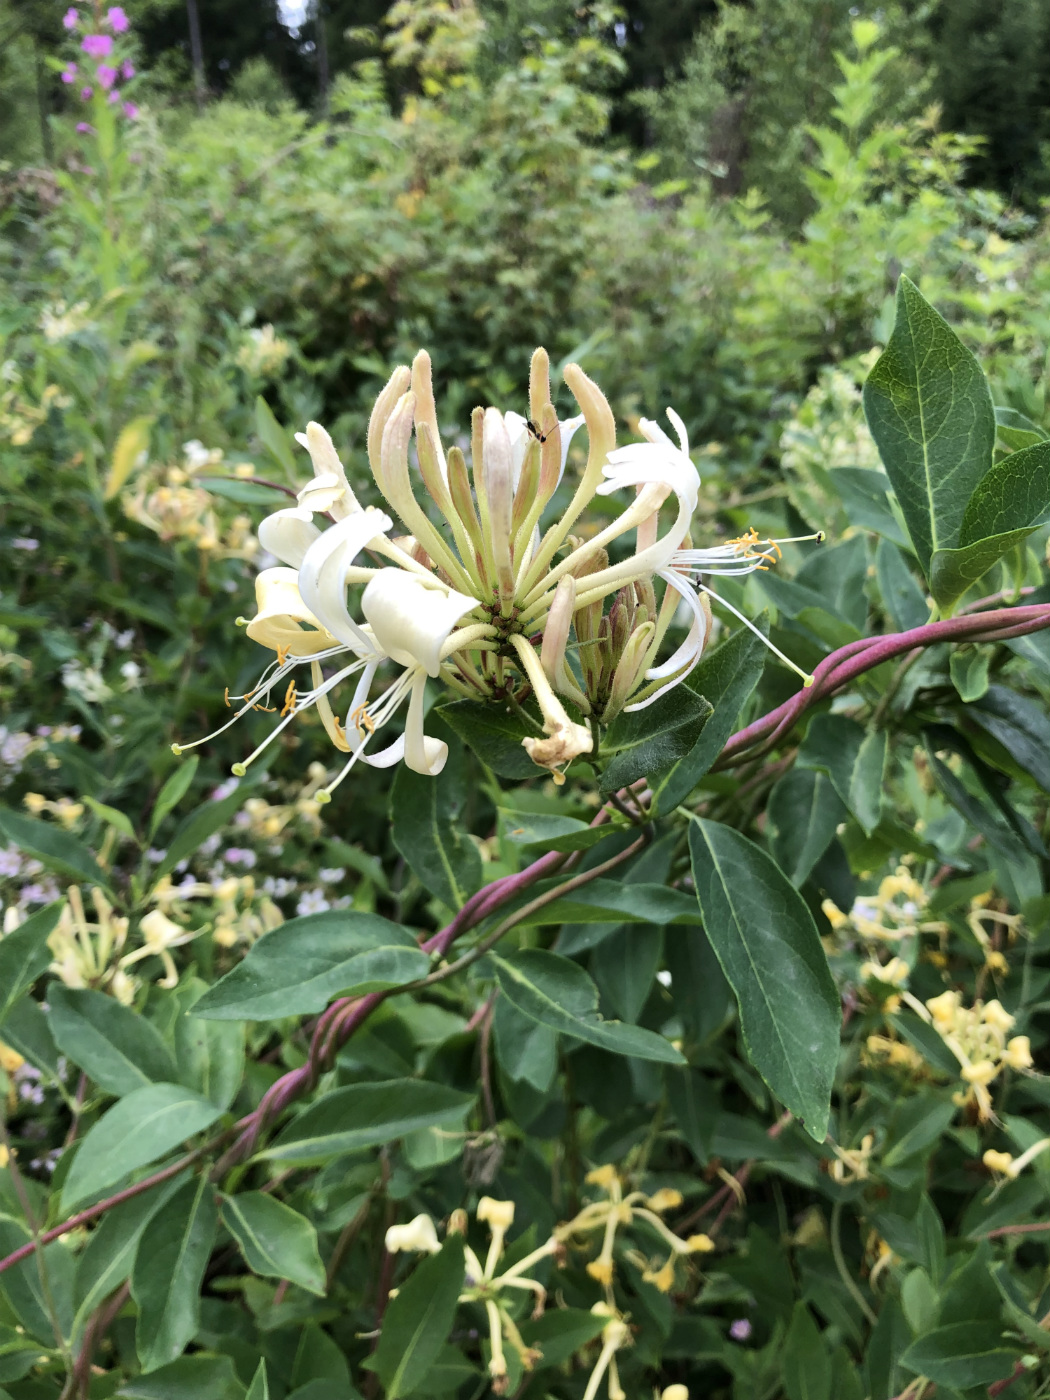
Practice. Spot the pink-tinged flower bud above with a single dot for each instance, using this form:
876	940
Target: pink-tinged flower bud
117	20
106	76
97	45
69	73
127	70
70	18
130	111
556	631
85	128
86	94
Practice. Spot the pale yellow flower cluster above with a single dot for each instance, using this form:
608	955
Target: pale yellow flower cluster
170	501
20	416
263	353
492	1286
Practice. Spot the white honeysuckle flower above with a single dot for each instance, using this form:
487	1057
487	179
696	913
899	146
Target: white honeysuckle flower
482	592
329	491
288	534
412	618
417	1237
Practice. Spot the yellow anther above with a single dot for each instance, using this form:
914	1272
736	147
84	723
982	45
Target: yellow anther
282	656
363	721
226	696
289	699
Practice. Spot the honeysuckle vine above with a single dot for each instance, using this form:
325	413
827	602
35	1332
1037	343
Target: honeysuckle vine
346	1015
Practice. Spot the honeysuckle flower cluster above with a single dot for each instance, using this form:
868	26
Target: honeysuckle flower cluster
978	1036
487	601
494	1287
170	501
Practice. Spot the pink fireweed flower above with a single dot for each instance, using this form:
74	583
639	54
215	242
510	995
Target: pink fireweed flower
127	70
70	18
85	128
117	20
97	45
114	98
130	111
69	73
106	76
86	94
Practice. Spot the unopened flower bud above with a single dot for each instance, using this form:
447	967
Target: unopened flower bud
418	1236
1018	1053
996	1016
499	1215
664	1199
395	387
498	472
556	631
674	1392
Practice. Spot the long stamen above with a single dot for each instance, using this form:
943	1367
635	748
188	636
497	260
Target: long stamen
807	679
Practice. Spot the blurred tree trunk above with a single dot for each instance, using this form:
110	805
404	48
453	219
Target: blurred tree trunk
322	56
196	53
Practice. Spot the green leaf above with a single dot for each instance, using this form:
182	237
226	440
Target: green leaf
195	830
494	734
557	993
853	760
169	1268
27	1031
804	1360
274	438
1014	495
297	968
57	849
276	1241
625	965
427	828
613	902
107	1259
952	571
961	1355
648	742
197	1377
550	832
930	412
560	1333
210	1054
134	1132
173	791
418	1321
901	595
364	1115
968	668
260	1386
25	955
1015	431
764	936
525	1050
803	813
726	677
120	1050
120	821
246	493
1020	725
37	1288
864	494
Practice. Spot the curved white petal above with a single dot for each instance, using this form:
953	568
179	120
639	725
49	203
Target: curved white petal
322	574
690	651
568	429
288	534
518	432
330	483
411	620
283	621
422	755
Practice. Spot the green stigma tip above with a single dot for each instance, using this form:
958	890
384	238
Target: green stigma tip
808	682
322	797
238	770
177	750
240	622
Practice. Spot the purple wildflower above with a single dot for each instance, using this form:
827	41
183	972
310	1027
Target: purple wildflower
69	73
86	95
25	542
131	111
85	128
117	19
740	1330
106	76
70	18
97	45
127	70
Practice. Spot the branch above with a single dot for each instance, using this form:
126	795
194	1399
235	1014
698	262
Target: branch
852	660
